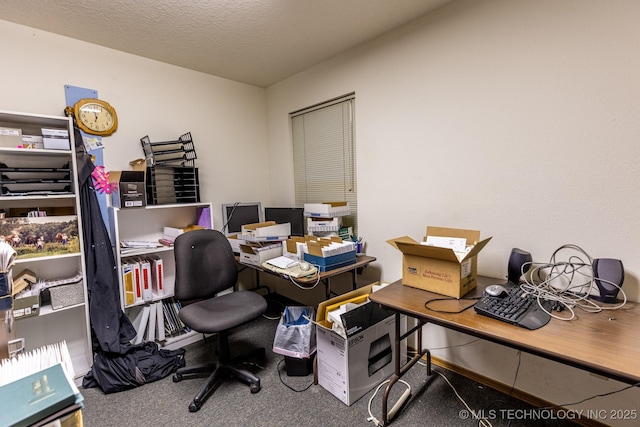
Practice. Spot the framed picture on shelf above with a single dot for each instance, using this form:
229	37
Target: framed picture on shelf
34	237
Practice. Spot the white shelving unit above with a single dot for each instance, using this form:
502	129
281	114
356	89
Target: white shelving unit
146	224
70	324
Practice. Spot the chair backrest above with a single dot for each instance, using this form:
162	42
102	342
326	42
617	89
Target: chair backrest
205	264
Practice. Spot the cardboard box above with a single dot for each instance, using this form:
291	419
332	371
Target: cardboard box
324	224
438	269
26	307
331	262
257	253
294	247
351	367
66	295
56	139
32	141
235	241
265	231
327	209
10	137
129	192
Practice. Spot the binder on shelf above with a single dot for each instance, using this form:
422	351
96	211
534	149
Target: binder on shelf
145	271
128	281
137	279
151	329
157	278
144	323
160	321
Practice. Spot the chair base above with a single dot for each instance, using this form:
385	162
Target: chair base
220	372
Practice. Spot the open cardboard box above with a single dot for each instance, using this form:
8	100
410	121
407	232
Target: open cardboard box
437	269
350	367
265	231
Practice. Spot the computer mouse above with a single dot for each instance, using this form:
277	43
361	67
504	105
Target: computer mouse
305	266
496	290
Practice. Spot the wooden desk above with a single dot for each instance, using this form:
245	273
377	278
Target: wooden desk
325	277
604	343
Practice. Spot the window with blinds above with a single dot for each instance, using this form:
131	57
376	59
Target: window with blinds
325	155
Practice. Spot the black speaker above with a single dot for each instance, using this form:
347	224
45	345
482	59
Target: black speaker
517	260
606	272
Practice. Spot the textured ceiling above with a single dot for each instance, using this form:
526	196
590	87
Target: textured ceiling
258	42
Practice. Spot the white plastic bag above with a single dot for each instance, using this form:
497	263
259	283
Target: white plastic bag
296	332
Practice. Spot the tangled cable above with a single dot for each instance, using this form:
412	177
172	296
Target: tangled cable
567	283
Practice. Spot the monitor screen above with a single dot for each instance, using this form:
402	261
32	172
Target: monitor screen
235	215
294	216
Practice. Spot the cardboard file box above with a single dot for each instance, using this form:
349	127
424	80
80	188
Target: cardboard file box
351	366
10	137
324	224
257	253
327	209
438	269
331	262
329	253
26	307
129	192
66	295
265	231
56	139
294	247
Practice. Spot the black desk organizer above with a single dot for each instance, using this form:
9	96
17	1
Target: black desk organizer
171	175
26	181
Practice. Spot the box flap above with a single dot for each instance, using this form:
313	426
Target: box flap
321	314
292	243
418	249
404	239
247	249
476	249
257	225
361	318
472	236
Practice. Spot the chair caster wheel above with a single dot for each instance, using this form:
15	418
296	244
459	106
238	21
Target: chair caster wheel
254	388
177	378
194	407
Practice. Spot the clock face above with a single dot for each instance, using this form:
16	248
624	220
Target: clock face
96	117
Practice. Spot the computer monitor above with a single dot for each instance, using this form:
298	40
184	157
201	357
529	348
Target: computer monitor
235	215
294	216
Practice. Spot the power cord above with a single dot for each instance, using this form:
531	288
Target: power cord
481	421
396	407
567	284
301	286
287	385
426	304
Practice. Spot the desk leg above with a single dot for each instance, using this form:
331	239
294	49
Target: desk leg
400	371
258	285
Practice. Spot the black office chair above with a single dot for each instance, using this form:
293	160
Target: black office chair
205	266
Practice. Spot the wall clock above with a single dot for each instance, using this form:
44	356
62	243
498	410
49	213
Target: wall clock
94	116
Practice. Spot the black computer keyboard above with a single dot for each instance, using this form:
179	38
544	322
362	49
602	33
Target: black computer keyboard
515	307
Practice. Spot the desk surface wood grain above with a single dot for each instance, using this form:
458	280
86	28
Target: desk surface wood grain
606	343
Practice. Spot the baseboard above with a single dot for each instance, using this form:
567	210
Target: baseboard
506	389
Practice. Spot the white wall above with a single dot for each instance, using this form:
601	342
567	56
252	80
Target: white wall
227	119
516	118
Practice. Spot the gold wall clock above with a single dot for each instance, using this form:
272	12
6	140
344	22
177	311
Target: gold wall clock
94	116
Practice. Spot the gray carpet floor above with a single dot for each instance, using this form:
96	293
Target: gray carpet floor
294	401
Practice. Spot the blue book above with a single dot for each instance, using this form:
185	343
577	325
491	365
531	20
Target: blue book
35	397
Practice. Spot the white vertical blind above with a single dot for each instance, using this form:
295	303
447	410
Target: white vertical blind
325	155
